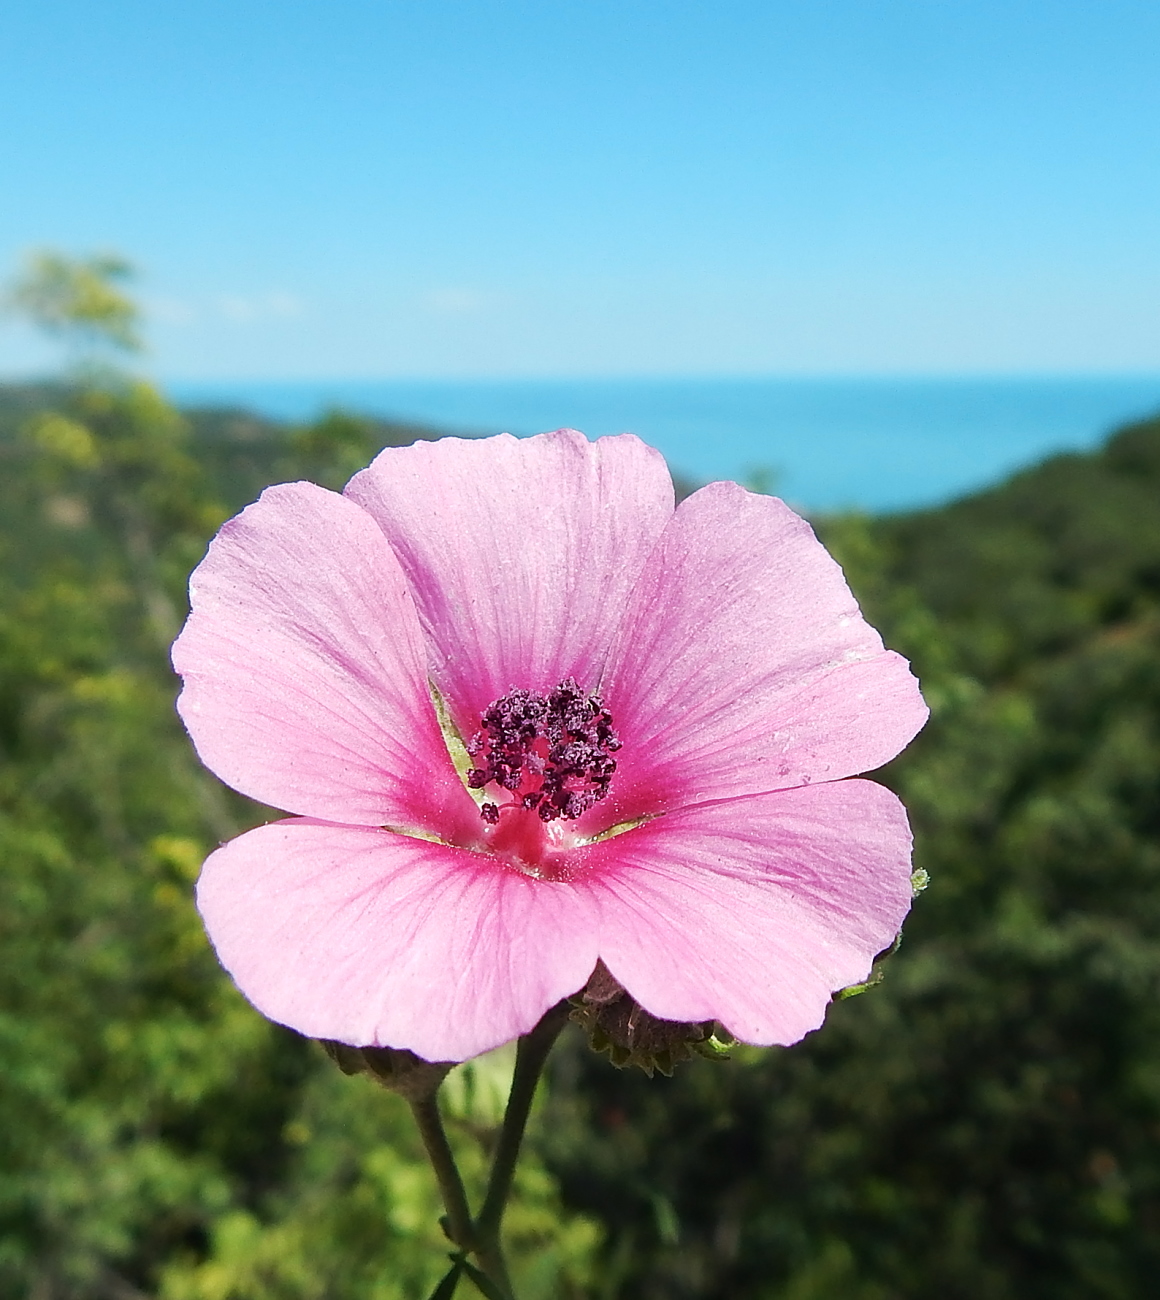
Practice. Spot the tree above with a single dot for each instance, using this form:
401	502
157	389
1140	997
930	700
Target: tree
80	301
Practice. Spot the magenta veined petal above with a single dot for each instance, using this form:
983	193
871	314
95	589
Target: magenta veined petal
744	664
742	683
520	553
304	669
373	938
753	911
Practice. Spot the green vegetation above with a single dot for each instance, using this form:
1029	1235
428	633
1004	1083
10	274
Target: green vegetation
158	1137
79	301
986	1122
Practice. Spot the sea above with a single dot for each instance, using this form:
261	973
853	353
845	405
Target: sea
824	444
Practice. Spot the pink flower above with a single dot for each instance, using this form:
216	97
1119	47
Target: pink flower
660	706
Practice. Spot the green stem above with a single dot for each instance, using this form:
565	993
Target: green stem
460	1228
531	1054
492	1262
481	1237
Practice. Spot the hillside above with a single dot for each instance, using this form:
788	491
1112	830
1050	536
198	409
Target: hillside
158	1137
986	1122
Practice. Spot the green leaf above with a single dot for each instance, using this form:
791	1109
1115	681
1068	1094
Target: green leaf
446	1288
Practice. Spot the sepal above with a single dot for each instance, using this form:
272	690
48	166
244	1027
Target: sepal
617	1024
877	974
394	1067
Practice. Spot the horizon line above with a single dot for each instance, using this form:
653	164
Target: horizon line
606	377
675	376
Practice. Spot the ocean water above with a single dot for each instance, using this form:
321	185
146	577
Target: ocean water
822	444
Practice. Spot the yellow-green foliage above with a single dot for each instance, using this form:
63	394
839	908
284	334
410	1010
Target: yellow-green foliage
357	1214
79	298
158	1137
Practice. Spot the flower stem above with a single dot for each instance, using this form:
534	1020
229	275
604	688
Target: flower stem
459	1225
481	1237
531	1054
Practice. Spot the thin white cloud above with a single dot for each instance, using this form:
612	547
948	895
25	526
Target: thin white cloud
237	308
169	311
249	309
453	301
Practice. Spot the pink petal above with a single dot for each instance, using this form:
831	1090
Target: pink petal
745	665
520	552
305	682
372	938
753	911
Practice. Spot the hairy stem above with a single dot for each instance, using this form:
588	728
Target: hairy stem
531	1054
460	1228
481	1237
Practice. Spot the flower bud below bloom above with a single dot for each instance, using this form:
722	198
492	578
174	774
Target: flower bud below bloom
395	1068
617	1024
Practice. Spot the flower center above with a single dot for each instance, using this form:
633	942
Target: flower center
552	753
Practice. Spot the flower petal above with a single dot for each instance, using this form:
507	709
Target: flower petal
305	682
745	665
373	938
753	911
520	553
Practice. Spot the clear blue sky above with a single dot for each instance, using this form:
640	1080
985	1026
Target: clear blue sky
323	188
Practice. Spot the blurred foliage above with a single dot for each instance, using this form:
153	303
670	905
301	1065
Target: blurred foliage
157	1136
79	300
986	1122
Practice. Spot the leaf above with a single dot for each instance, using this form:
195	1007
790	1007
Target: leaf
446	1288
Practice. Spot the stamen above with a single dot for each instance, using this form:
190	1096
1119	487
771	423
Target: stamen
552	752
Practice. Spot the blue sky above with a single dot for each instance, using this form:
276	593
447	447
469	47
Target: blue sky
341	188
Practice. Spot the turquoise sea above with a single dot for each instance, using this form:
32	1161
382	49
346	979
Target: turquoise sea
823	444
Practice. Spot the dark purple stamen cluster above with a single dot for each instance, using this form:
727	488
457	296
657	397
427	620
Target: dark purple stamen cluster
560	744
